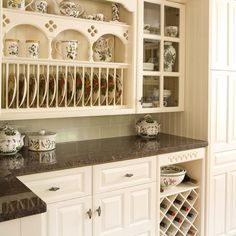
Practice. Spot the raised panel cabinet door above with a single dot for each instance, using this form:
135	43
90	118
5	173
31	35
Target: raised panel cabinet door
231	213
232	34
33	225
10	228
219	37
70	218
129	211
218	206
232	109
219	110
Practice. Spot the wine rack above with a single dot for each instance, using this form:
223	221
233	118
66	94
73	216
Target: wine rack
178	213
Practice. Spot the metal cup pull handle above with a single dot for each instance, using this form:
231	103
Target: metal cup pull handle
129	175
99	211
54	189
90	213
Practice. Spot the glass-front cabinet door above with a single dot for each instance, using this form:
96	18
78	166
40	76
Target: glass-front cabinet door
161	49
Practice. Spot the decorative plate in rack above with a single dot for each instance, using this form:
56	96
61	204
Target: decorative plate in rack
103	89
70	88
32	89
87	88
22	89
111	89
61	88
11	89
95	88
52	89
119	89
79	87
42	89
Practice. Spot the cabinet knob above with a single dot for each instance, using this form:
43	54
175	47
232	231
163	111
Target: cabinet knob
99	211
54	189
129	175
141	100
90	213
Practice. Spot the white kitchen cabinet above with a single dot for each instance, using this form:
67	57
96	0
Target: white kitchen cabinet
126	212
72	217
161	69
26	226
223	110
223	35
222	205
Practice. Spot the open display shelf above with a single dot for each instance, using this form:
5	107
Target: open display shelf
66	87
178	212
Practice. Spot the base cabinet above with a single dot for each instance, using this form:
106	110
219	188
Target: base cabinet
26	226
223	220
70	218
126	212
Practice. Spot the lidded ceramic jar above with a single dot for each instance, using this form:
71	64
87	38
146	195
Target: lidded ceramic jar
42	141
11	141
147	127
169	56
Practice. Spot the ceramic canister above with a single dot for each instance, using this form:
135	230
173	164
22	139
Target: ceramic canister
12	47
42	141
40	6
32	48
68	49
18	4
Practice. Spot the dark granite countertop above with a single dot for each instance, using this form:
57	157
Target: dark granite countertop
16	200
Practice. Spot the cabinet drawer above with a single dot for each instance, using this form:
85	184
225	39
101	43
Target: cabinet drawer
60	185
118	175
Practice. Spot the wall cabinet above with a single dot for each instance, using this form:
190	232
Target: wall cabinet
161	50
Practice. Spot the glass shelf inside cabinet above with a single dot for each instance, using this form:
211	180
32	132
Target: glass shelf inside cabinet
151	92
152	13
151	52
171	92
172	22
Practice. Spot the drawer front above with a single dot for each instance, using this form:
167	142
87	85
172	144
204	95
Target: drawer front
108	177
183	156
60	185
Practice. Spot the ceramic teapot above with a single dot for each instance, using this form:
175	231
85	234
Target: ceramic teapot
102	50
147	127
11	141
69	8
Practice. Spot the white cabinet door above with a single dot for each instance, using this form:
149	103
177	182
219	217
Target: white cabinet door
219	37
223	111
127	212
34	225
232	34
10	228
70	218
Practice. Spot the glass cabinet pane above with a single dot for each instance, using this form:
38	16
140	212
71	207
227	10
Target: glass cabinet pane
151	91
151	55
171	92
171	21
152	13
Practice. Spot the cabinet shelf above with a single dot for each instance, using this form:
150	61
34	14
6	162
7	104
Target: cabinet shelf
178	189
152	36
55	62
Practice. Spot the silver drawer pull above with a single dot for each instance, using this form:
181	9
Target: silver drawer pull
129	175
54	189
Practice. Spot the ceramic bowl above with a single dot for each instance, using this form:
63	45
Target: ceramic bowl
172	176
42	141
171	31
